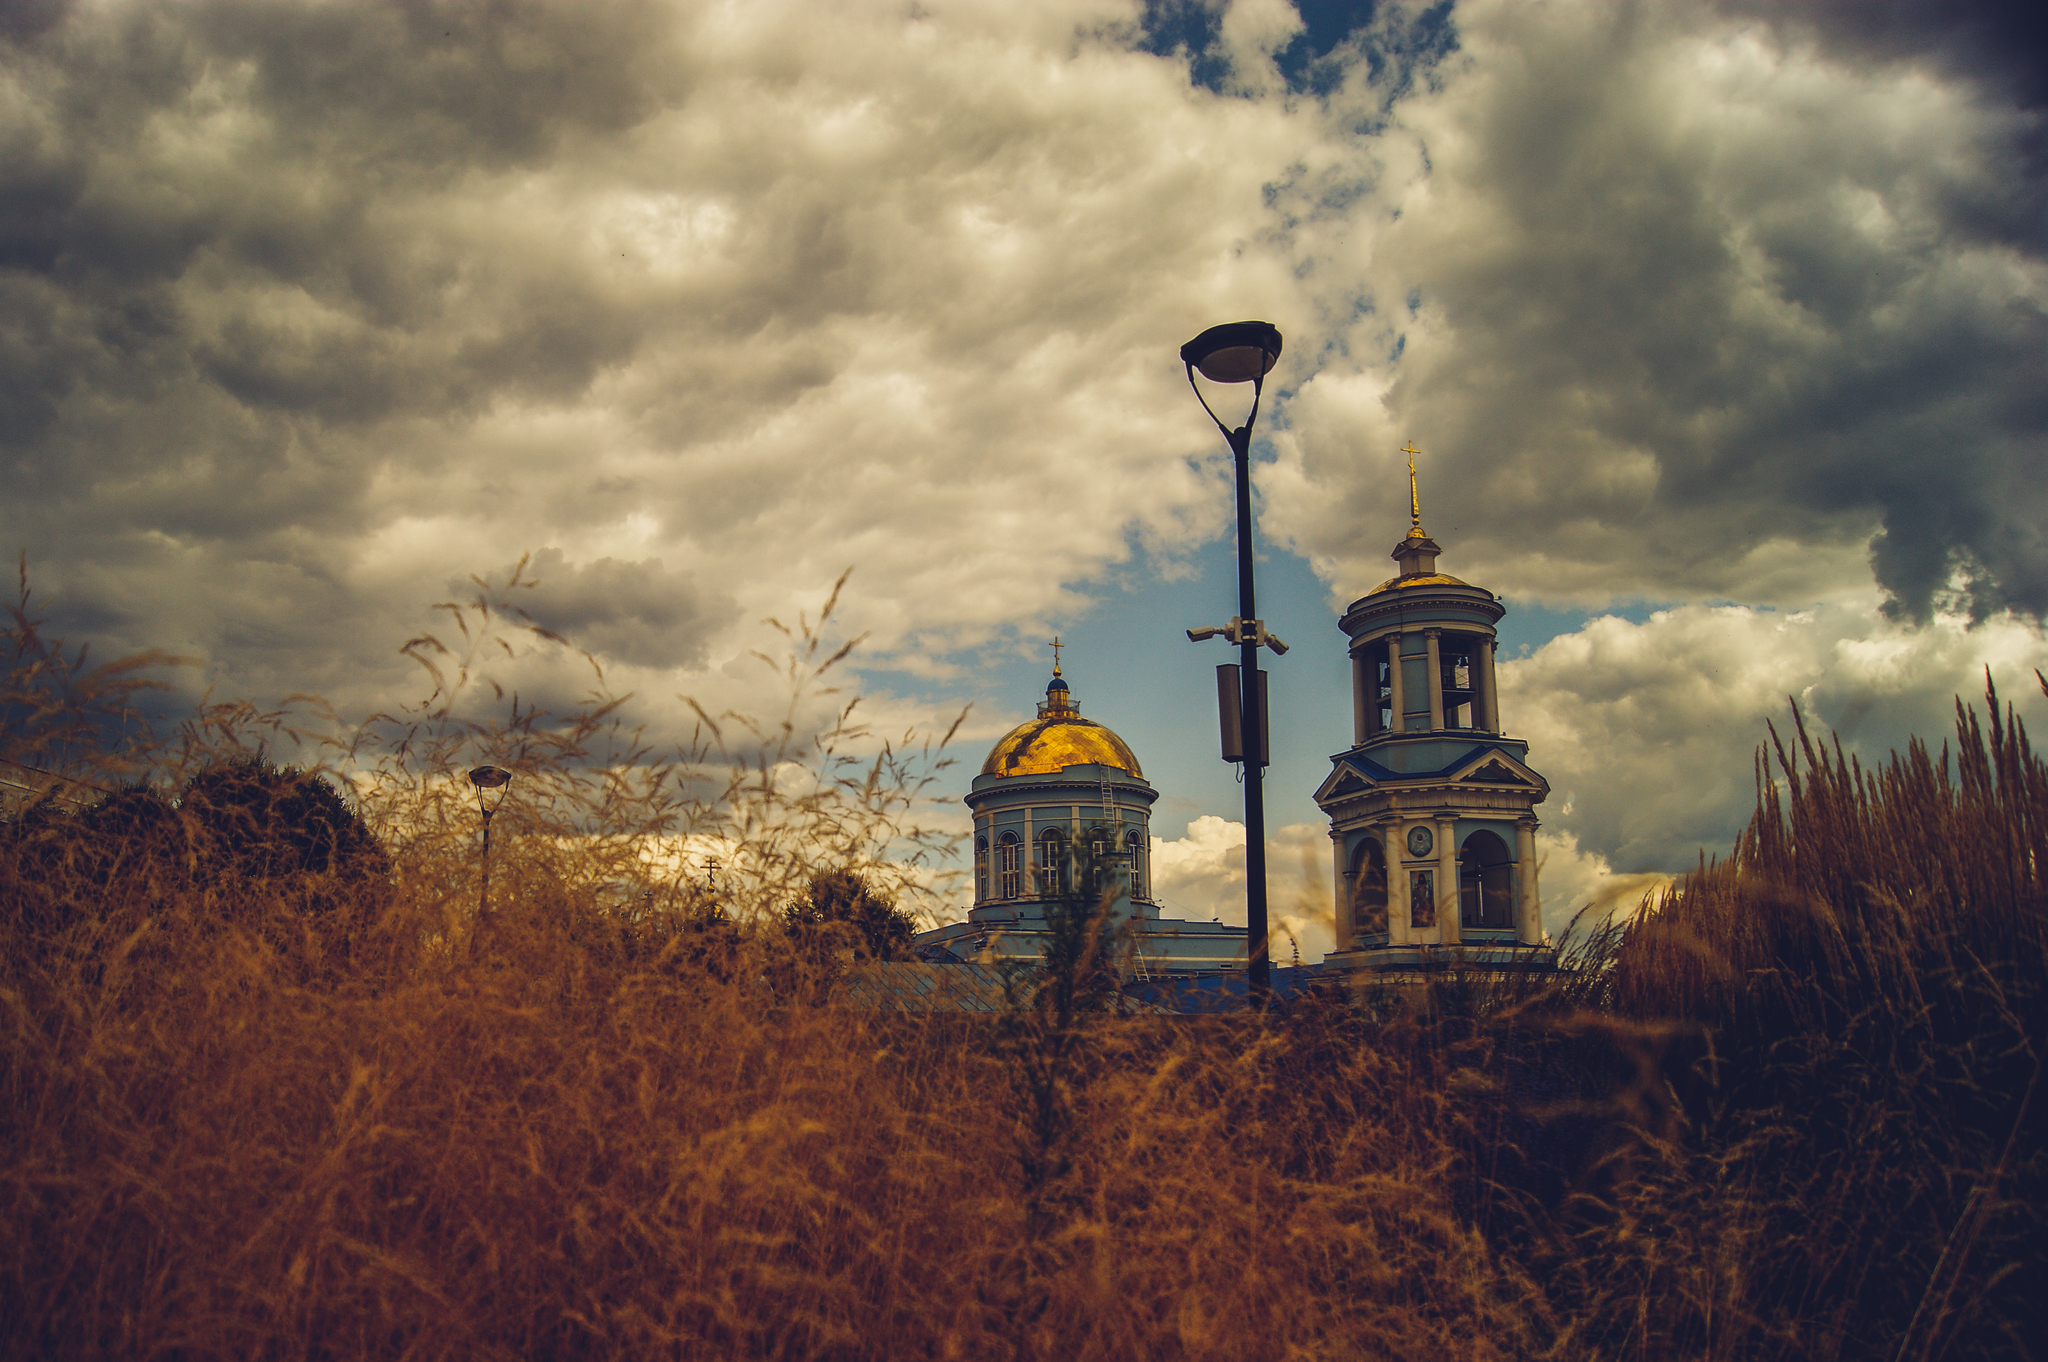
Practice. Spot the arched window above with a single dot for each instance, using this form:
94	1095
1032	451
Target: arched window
1052	862
1486	882
1379	700
1458	655
1009	872
1134	847
981	870
1369	889
1100	871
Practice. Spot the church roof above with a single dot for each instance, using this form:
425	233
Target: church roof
1058	738
1420	579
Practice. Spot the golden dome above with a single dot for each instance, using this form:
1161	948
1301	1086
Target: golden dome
1044	747
1420	579
1058	738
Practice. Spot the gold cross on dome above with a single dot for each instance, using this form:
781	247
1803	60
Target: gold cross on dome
1415	530
1055	645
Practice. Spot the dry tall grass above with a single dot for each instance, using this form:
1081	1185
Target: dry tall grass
609	1120
1826	1056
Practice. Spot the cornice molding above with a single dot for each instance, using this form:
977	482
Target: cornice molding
1043	788
1369	608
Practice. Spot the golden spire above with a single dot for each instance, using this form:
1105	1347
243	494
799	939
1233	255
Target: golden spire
1055	645
1415	530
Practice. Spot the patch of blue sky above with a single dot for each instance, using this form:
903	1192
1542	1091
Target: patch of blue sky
1131	666
1335	37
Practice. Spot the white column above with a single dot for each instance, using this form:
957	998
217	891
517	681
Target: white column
1492	691
1347	925
1447	880
1393	642
1529	904
1394	848
1360	729
985	872
1482	697
1436	680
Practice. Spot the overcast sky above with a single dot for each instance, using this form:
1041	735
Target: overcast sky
1722	330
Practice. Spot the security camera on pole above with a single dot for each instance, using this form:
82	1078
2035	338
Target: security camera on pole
1244	352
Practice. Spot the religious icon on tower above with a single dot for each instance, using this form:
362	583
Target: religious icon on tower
1420	840
1422	898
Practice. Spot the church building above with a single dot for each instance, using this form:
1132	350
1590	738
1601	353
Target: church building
1058	795
1432	809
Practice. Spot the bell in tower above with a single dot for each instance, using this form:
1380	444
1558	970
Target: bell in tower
1432	808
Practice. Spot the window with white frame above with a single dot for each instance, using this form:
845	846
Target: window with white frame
1009	869
1052	862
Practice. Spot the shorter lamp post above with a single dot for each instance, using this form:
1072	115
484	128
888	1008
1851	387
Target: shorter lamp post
488	778
1244	352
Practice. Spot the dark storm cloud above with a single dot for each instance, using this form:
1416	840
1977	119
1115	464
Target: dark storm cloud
632	612
306	307
183	326
1673	295
2001	43
234	264
299	125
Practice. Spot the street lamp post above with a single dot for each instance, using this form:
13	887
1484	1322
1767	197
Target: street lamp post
487	778
1245	352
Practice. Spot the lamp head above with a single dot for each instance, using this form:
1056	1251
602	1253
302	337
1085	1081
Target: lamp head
489	777
1236	352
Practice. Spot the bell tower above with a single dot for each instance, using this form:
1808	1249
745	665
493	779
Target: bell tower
1432	808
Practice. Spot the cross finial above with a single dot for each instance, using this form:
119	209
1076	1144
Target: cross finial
1415	530
1055	645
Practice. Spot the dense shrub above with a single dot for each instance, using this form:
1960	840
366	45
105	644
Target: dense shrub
839	911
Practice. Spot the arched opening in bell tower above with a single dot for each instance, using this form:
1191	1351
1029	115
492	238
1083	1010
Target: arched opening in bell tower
1368	889
1377	696
1457	678
1486	882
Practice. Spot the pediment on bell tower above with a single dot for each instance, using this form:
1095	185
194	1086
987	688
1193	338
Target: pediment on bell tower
1342	783
1495	767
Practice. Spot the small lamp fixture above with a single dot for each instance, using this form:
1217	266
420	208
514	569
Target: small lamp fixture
1235	352
488	778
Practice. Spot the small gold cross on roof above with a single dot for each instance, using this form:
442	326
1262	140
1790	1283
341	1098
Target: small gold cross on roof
1055	645
1415	530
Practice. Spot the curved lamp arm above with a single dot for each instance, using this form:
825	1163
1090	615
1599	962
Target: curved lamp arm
1258	389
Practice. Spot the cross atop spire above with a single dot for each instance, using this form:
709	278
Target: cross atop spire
1415	530
1055	645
